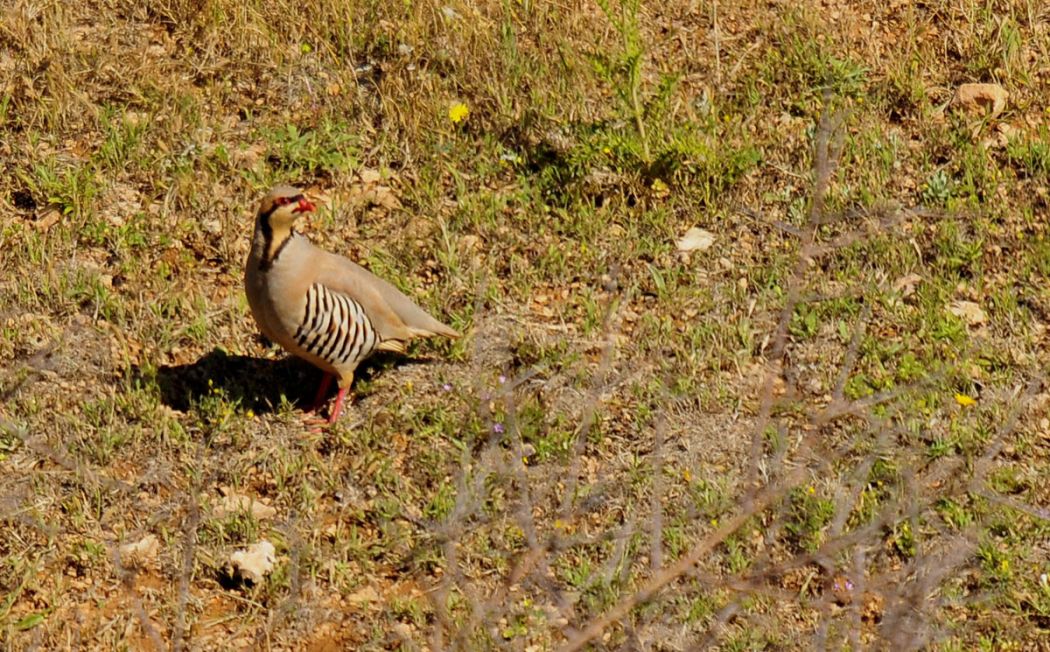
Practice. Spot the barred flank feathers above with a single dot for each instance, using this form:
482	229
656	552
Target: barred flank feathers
335	328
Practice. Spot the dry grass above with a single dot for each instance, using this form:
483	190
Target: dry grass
804	437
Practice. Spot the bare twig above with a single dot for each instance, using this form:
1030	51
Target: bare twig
189	547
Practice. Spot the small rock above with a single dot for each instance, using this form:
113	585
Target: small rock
255	562
906	284
369	176
1000	136
363	596
989	98
1007	131
234	502
141	552
382	196
968	311
695	239
469	242
213	226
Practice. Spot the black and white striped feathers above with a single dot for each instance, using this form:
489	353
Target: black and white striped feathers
335	328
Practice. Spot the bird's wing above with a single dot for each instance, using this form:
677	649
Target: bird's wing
393	315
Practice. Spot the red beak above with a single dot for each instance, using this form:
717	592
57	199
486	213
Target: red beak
304	206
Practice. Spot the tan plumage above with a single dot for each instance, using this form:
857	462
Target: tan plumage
320	306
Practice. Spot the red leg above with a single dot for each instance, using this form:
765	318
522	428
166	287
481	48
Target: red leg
322	392
338	407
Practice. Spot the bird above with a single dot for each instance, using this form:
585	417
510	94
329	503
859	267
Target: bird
320	306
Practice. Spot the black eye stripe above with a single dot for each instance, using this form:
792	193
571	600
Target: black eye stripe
284	201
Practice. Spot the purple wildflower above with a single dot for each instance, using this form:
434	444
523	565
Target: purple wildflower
498	428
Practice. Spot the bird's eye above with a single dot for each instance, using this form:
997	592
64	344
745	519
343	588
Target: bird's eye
281	201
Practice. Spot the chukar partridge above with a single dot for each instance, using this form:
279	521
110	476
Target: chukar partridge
321	306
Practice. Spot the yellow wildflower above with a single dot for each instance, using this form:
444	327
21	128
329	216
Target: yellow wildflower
458	112
660	189
964	400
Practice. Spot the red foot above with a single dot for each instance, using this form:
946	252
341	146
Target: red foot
337	409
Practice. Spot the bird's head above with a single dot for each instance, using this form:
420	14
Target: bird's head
282	206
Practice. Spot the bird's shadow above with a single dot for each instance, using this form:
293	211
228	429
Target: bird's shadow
257	384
